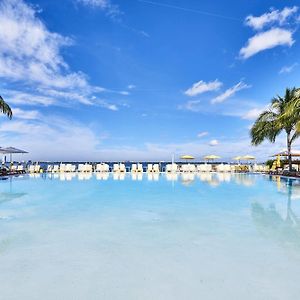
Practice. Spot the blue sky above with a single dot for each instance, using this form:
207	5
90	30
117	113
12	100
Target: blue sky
118	80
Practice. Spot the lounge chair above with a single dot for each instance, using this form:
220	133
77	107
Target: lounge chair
37	168
31	169
116	168
20	169
49	168
88	168
55	169
171	168
122	168
191	168
155	168
81	168
133	168
62	167
149	168
220	168
99	168
140	168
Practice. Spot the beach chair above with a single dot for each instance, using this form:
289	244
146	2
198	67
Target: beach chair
155	168
49	168
116	168
55	169
133	168
192	168
105	168
68	168
62	167
149	168
122	168
88	168
81	168
99	168
171	168
220	168
31	169
185	168
140	168
20	169
227	168
37	168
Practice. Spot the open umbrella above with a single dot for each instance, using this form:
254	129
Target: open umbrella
248	158
238	158
12	150
211	157
187	157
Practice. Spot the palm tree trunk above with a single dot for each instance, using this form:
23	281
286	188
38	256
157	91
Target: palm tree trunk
289	147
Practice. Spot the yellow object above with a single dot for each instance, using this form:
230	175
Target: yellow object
187	157
211	157
248	157
278	163
237	158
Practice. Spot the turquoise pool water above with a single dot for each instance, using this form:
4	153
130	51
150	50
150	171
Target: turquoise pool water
210	236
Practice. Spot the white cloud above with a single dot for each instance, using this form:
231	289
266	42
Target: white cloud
202	134
30	55
202	87
272	17
214	143
230	92
267	40
253	113
288	69
131	86
25	114
105	5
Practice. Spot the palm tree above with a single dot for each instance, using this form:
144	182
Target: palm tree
281	116
5	108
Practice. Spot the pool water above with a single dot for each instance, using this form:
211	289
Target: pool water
207	236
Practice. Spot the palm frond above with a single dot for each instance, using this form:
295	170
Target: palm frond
5	108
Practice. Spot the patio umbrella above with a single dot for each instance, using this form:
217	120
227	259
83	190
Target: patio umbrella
238	158
187	157
285	153
248	157
12	150
211	157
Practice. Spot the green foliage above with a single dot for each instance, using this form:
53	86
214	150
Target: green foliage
5	108
269	163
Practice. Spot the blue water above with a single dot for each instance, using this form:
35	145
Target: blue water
210	236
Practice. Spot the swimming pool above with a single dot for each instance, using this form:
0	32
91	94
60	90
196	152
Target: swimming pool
207	236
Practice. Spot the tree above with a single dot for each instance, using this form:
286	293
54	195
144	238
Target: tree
281	116
5	108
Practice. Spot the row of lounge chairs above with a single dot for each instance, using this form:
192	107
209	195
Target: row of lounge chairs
137	168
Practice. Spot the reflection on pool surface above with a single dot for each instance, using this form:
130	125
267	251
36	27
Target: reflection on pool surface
160	236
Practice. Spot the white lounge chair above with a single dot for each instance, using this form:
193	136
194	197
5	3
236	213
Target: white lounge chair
116	168
37	168
133	168
88	168
20	169
155	168
149	168
122	168
49	168
81	168
140	168
62	167
171	168
55	169
99	168
220	168
31	169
